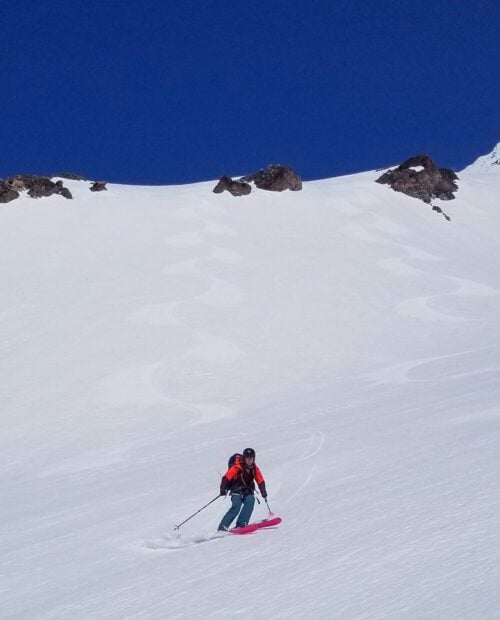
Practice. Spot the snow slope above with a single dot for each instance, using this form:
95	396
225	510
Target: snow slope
346	332
486	163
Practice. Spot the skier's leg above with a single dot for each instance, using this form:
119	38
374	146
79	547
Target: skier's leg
246	511
231	514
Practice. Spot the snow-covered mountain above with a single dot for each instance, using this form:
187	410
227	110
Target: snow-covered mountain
486	163
346	332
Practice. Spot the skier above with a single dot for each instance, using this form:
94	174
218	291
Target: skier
240	480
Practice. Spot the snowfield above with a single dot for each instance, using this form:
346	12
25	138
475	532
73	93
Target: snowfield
348	333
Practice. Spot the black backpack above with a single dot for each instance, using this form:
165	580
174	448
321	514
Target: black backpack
232	459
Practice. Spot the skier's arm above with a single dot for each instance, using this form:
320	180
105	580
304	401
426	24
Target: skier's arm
259	479
223	485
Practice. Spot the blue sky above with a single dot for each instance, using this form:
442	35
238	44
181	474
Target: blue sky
173	92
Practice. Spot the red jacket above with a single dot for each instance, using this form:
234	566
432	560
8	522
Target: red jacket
240	480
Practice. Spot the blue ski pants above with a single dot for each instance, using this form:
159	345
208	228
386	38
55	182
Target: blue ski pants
245	503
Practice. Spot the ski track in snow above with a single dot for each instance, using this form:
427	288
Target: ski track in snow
437	368
206	348
425	307
421	308
178	541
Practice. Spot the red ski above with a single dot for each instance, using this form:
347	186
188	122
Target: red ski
253	527
246	529
271	522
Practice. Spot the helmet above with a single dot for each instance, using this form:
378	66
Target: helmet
249	452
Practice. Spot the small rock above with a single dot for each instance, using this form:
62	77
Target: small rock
98	186
439	210
236	188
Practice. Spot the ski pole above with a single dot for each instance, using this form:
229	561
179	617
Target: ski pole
195	513
270	511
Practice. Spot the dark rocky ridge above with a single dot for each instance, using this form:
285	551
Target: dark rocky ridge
426	184
274	178
36	186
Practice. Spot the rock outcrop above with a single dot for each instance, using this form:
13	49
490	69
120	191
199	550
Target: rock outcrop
236	188
36	186
420	178
7	192
41	187
275	178
98	186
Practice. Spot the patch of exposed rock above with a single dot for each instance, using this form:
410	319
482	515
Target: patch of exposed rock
420	178
439	210
41	187
36	186
275	178
98	186
236	188
7	192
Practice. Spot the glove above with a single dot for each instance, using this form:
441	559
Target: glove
223	492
